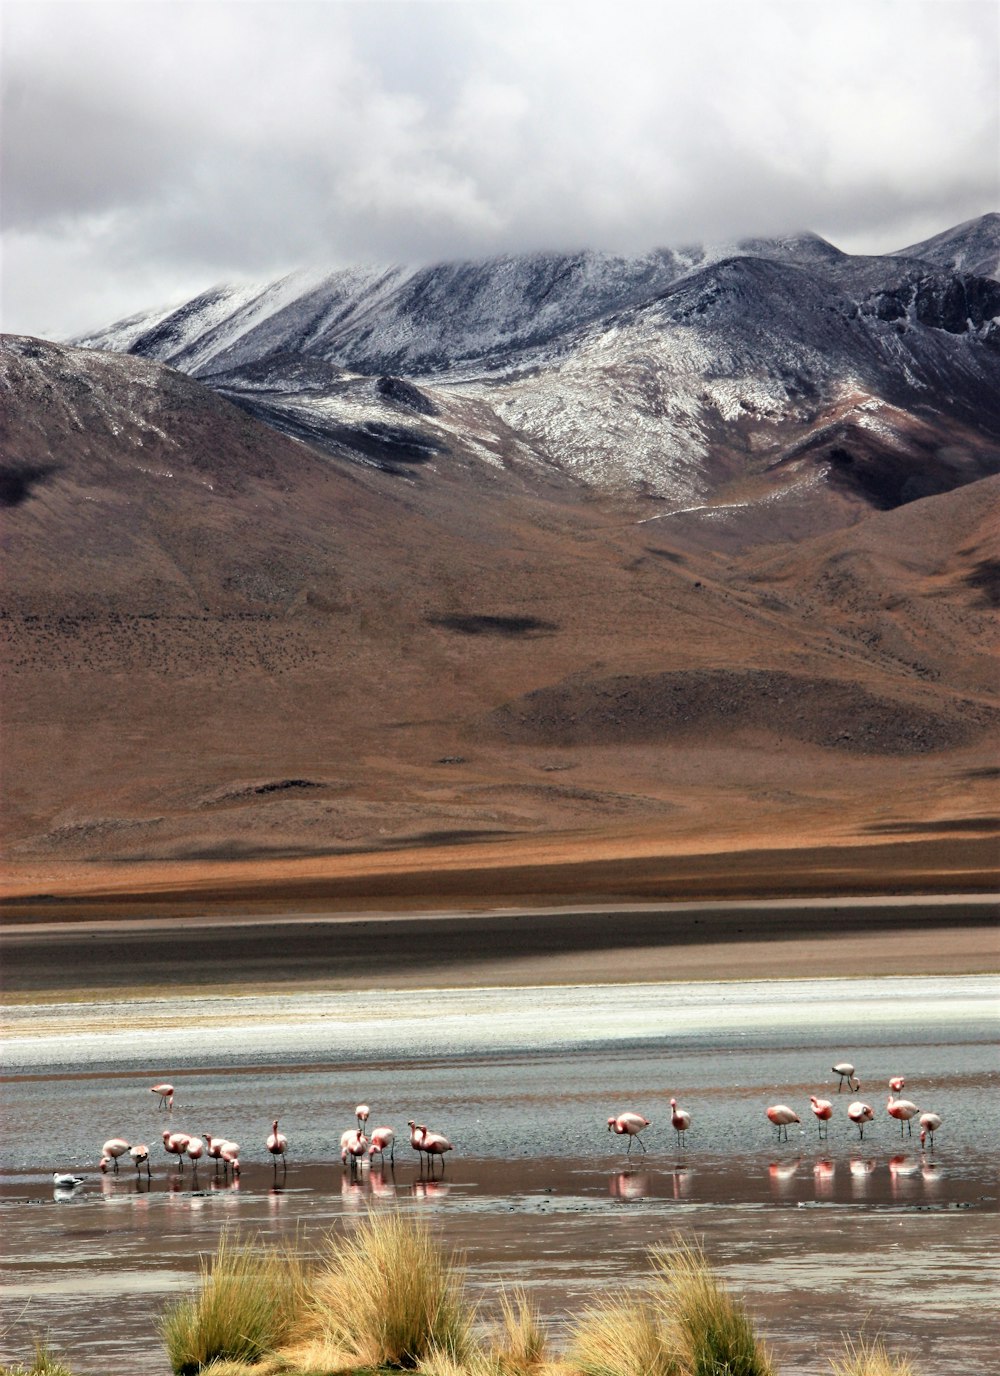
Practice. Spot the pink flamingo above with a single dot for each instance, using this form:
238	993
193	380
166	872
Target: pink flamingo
629	1125
434	1144
140	1156
929	1124
902	1110
380	1139
195	1149
823	1110
353	1144
176	1144
416	1137
362	1112
860	1114
277	1144
112	1149
166	1093
230	1155
681	1121
781	1115
897	1083
213	1148
846	1072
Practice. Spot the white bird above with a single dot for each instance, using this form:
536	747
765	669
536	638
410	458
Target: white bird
362	1113
846	1072
63	1181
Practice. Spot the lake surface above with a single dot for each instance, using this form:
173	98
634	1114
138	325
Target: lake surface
522	1081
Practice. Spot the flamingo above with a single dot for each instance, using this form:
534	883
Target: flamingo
277	1144
380	1139
166	1093
681	1121
902	1110
781	1115
195	1149
629	1125
846	1072
140	1157
823	1110
860	1114
416	1137
213	1148
896	1083
112	1149
929	1124
176	1144
353	1144
434	1144
230	1155
362	1113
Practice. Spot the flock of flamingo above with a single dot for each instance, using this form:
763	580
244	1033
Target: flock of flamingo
357	1145
631	1125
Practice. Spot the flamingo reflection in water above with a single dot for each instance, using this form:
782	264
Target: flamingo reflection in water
629	1185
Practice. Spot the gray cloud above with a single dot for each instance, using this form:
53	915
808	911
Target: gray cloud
151	149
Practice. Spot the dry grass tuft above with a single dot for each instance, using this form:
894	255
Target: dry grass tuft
250	1298
708	1330
864	1358
623	1336
520	1346
43	1365
389	1296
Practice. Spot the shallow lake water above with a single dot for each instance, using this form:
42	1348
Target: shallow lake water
823	1236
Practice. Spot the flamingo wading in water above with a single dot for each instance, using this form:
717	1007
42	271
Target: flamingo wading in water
277	1145
140	1158
112	1149
434	1144
629	1125
166	1093
929	1124
380	1139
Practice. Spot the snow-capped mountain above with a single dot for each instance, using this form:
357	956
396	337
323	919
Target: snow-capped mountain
779	373
970	247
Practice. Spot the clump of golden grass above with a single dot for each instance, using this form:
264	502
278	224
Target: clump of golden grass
864	1358
390	1296
43	1365
709	1331
519	1345
622	1336
250	1298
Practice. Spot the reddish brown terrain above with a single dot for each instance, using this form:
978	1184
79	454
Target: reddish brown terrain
232	663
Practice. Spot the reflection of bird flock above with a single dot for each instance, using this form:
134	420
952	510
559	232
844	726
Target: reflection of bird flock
357	1146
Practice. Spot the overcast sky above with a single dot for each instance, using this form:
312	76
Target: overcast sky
153	149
